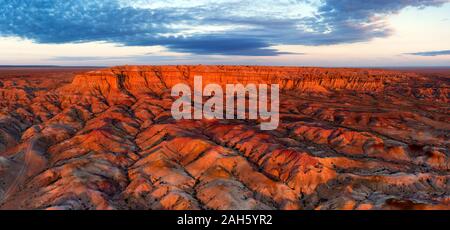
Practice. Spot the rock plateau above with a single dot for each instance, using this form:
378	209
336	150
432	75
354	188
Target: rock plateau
105	139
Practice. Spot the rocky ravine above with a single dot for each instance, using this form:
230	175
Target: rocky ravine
348	139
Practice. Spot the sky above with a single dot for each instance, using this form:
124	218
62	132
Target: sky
243	32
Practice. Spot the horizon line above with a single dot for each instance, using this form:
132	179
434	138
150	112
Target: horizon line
318	66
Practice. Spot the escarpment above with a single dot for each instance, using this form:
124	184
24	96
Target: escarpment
129	81
106	139
157	79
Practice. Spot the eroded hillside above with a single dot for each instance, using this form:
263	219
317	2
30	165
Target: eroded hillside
348	139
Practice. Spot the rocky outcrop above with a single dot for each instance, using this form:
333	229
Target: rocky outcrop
105	139
158	79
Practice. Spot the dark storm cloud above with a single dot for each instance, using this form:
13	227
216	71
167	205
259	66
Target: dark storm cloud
242	46
431	53
75	21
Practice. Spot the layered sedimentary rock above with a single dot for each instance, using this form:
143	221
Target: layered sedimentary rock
348	139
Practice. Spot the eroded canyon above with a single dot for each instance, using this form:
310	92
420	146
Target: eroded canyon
105	139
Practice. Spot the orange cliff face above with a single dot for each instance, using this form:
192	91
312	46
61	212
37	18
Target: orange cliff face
348	139
158	79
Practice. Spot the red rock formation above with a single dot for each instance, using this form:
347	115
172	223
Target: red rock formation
348	139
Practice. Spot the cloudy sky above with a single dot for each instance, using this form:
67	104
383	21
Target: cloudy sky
262	32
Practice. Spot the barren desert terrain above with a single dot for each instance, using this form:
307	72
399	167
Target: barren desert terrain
105	139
